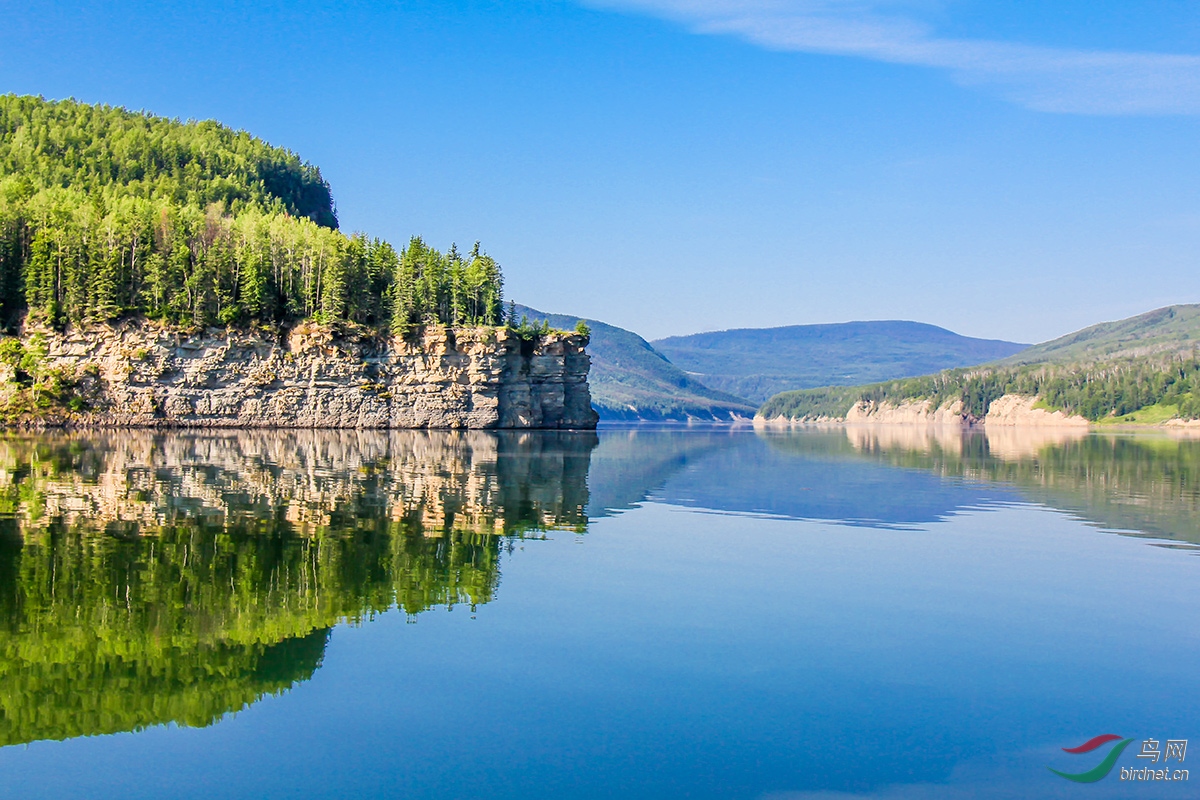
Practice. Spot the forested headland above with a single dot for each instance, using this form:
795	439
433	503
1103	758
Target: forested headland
1126	389
1143	369
107	213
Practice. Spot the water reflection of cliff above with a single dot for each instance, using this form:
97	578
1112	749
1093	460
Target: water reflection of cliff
148	578
156	577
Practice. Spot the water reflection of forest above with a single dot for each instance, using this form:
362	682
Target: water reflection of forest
1143	483
1140	483
148	577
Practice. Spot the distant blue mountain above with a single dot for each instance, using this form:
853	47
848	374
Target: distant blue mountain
756	363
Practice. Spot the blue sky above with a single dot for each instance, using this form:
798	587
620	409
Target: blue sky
1004	169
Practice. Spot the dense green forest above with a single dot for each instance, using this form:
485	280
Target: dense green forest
106	212
1106	390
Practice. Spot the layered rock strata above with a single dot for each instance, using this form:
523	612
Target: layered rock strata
141	374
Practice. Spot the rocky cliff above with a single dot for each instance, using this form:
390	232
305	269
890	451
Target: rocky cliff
907	412
141	374
1020	411
1010	410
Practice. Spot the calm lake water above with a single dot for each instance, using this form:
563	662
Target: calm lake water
896	613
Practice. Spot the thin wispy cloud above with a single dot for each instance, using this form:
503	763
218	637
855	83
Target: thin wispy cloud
1044	78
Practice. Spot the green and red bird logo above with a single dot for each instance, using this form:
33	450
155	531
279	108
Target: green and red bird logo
1104	767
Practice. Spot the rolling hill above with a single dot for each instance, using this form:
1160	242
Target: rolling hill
757	363
1144	369
630	380
1172	329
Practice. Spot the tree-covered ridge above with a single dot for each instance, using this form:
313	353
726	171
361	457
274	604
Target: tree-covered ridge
1171	329
1107	390
110	152
1141	369
757	363
105	213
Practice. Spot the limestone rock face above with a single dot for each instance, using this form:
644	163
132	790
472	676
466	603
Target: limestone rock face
1010	410
907	412
147	375
1018	410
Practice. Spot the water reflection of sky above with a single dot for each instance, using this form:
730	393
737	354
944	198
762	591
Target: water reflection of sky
675	654
749	476
1141	485
924	650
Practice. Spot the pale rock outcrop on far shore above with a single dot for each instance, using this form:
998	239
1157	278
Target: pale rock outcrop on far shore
1018	410
1010	410
907	412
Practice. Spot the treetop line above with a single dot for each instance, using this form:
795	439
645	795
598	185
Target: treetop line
106	213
